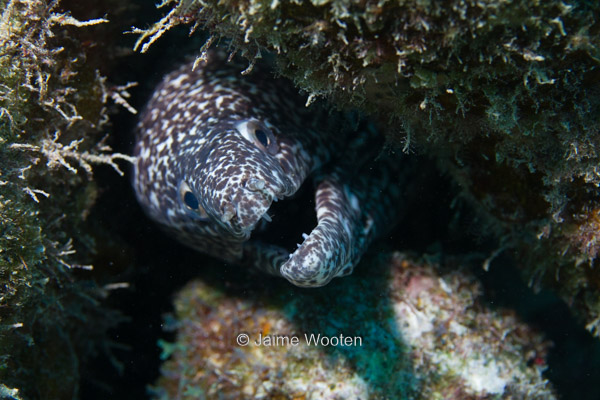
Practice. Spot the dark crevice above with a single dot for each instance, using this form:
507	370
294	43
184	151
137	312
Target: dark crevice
156	266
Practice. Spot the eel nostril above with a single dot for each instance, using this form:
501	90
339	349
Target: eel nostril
255	184
228	213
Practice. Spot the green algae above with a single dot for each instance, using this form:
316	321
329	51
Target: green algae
52	114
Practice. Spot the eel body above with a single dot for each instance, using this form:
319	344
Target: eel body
215	149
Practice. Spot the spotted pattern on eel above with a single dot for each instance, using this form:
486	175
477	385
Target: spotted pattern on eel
216	148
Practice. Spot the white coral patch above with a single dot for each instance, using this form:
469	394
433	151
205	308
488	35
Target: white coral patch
412	322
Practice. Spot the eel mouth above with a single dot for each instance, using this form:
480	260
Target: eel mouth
248	208
288	220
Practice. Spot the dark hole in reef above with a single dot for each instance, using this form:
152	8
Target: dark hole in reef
162	266
573	368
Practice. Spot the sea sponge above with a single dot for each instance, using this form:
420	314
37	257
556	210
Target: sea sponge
402	329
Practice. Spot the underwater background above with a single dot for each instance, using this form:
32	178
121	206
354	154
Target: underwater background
488	288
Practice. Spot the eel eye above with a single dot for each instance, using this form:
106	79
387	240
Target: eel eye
257	133
190	200
262	137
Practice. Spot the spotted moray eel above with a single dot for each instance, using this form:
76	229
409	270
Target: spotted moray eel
216	148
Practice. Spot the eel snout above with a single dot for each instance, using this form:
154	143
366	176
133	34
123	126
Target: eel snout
247	205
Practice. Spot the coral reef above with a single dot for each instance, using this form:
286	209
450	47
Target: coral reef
414	330
505	95
53	110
